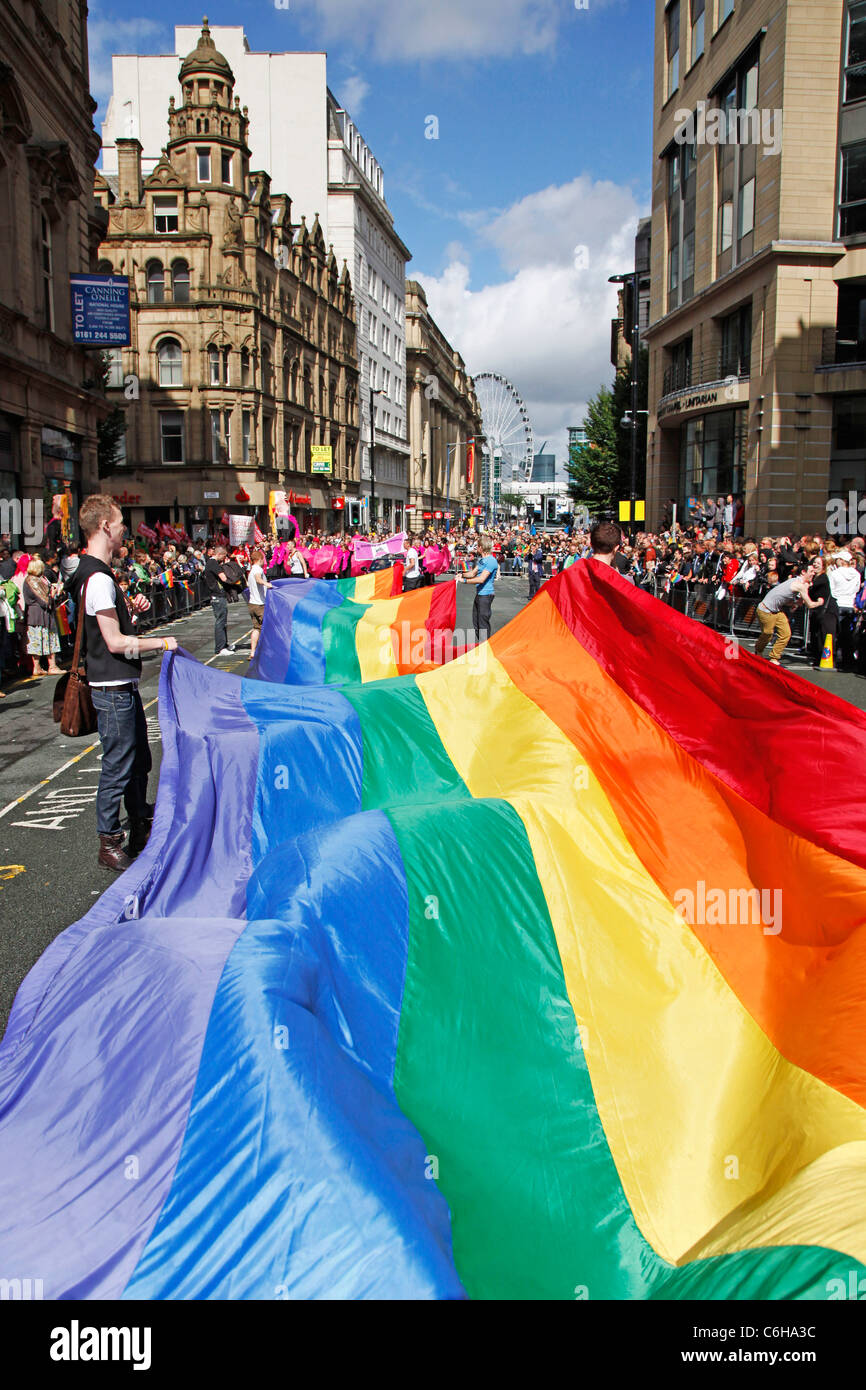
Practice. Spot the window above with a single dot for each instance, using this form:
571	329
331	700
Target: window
245	366
213	359
245	429
203	165
180	282
698	8
679	373
737	165
155	283
673	46
171	435
855	54
266	370
226	167
170	360
682	188
737	342
726	7
227	355
165	218
47	276
851	323
852	210
386	298
114	360
227	434
215	451
386	341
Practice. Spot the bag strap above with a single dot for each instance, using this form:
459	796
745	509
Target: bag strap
76	655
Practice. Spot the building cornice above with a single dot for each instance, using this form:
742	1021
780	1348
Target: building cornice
372	206
778	251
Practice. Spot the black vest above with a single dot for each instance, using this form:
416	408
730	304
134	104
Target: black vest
100	664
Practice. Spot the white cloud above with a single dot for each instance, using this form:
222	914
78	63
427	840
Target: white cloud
409	29
353	93
546	327
107	35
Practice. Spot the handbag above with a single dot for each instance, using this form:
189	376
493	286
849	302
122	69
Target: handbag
73	705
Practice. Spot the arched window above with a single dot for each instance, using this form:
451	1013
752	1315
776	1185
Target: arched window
105	268
332	400
180	282
266	369
170	360
213	359
155	283
308	388
287	368
245	366
295	373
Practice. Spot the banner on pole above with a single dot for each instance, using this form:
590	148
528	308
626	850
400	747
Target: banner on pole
377	550
241	530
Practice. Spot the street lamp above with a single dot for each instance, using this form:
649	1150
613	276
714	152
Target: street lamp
431	429
373	457
458	444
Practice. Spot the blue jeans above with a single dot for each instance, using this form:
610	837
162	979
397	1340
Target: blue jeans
126	758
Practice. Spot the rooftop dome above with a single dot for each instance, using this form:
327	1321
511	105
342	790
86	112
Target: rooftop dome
206	58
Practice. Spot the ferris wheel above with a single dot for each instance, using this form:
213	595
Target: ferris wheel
506	423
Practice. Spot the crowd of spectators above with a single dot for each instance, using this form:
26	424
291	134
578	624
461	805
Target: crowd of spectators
706	569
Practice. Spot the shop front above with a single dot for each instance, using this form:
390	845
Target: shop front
713	458
11	511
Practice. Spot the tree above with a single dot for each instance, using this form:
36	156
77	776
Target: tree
593	467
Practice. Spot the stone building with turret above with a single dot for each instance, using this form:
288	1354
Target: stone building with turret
243	355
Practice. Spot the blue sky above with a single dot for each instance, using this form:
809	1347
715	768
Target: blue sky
544	147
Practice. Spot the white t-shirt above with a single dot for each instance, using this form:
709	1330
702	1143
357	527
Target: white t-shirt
256	581
100	596
411	570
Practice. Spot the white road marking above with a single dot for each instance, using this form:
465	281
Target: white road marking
77	759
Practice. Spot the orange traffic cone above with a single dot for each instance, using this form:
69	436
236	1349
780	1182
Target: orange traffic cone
827	663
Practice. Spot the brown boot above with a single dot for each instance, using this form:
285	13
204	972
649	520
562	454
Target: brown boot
139	832
111	852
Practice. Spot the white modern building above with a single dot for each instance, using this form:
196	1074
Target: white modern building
313	152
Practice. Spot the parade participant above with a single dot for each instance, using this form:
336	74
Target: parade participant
295	563
772	613
485	574
112	656
257	585
605	539
845	586
412	570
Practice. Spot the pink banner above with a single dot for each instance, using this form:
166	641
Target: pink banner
436	559
378	550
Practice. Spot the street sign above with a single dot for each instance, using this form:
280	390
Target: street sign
322	458
211	496
448	516
438	516
100	310
338	503
426	516
477	511
409	507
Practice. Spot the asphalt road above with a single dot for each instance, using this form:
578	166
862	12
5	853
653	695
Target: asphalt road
48	845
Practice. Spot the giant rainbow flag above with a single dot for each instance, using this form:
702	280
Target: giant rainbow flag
319	631
456	983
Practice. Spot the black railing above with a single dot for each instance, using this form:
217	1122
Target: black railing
698	371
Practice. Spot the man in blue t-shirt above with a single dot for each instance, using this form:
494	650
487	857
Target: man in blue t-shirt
485	574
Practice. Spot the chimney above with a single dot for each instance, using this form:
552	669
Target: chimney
129	171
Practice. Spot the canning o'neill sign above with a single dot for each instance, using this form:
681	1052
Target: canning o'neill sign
322	458
100	310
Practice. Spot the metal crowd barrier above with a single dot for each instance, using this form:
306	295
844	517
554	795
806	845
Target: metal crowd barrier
166	604
734	613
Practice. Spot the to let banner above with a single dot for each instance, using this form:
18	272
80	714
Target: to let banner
322	458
